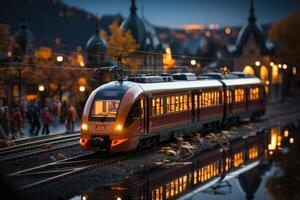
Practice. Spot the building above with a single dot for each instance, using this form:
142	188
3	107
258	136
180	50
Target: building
252	53
149	52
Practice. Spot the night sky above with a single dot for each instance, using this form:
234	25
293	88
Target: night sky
176	13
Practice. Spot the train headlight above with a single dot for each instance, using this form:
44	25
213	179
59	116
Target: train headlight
84	127
118	127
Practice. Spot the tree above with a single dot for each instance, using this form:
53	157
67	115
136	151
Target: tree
286	33
121	41
6	40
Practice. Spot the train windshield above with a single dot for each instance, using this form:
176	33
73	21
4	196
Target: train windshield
106	104
105	109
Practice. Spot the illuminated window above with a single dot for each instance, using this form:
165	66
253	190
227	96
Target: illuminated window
176	187
142	108
249	70
172	104
153	106
227	164
239	95
196	101
254	93
157	106
176	103
195	177
168	187
181	103
180	184
161	105
229	96
184	185
168	104
172	188
238	159
253	152
185	102
190	102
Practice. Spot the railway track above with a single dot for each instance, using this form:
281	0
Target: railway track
32	148
42	175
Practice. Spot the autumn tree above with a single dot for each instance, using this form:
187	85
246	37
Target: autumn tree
285	34
6	40
121	41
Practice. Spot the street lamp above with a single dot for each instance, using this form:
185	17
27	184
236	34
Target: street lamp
284	66
81	88
257	63
193	62
41	88
272	64
60	58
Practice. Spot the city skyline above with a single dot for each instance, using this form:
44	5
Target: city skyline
192	11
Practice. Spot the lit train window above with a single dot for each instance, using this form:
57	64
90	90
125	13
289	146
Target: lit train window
176	103
185	103
168	104
168	187
157	106
190	102
142	108
105	109
239	95
173	104
181	102
161	105
229	96
196	101
254	93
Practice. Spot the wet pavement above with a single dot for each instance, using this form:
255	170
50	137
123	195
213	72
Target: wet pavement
262	166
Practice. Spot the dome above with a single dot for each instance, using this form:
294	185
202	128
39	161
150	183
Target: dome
136	26
96	41
252	28
24	39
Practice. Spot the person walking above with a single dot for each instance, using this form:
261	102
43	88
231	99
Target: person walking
18	121
6	121
3	134
71	117
36	118
56	112
46	121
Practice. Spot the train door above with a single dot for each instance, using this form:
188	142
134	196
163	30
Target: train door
143	115
229	100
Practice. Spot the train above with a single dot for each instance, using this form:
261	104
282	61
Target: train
144	110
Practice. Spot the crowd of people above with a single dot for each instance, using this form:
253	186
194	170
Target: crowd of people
51	112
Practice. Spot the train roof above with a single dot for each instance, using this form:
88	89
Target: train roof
179	85
241	81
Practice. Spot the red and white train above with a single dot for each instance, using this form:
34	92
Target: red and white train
120	115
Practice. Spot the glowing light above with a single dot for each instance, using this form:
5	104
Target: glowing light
60	58
207	33
271	64
9	54
294	70
286	133
257	63
41	88
284	66
267	82
227	30
291	140
118	127
279	66
249	70
193	62
81	63
193	27
81	88
84	127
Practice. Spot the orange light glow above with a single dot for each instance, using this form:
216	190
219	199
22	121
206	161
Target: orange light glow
83	141
117	142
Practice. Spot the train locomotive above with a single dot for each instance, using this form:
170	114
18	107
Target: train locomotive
144	110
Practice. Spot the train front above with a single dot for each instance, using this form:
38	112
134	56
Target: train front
104	116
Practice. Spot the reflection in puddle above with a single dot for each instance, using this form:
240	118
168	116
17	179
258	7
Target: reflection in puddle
247	169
